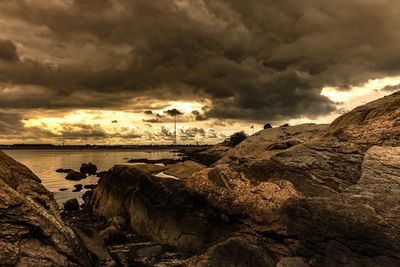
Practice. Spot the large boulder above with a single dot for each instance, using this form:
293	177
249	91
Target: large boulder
31	231
159	208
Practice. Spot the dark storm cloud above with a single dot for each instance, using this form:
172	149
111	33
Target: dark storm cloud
8	51
153	120
198	116
392	88
173	112
10	123
255	59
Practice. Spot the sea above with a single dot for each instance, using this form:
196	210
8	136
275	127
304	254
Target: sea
44	164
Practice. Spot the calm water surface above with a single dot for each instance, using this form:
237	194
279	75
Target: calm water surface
44	164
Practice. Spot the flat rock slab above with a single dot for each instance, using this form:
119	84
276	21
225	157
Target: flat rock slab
183	170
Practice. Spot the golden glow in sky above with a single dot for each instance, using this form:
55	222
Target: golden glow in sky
137	127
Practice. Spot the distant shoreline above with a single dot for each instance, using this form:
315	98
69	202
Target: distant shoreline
99	147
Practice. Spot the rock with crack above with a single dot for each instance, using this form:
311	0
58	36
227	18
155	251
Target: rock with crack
31	231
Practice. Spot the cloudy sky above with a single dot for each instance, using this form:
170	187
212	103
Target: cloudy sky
118	71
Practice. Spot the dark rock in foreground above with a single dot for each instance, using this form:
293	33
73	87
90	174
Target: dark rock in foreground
71	205
31	231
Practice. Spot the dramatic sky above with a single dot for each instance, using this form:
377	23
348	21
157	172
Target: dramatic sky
118	71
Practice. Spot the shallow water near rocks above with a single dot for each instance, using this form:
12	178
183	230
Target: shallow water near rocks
44	164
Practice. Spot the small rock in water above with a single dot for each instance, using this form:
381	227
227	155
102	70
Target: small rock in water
88	168
90	186
78	188
75	176
71	205
150	252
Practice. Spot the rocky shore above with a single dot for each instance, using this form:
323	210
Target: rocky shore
306	195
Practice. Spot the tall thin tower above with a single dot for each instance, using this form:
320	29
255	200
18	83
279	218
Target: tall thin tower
175	140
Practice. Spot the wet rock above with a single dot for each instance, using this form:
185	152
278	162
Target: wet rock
75	176
90	186
31	231
77	188
150	252
71	205
88	169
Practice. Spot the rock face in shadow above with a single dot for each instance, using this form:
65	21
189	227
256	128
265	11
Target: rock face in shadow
31	231
361	226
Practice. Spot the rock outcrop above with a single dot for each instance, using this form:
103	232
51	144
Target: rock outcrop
31	231
319	195
307	195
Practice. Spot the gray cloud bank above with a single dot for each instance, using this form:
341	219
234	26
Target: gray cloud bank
255	59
